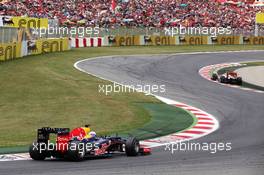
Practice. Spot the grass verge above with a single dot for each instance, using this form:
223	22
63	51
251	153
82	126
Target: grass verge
165	119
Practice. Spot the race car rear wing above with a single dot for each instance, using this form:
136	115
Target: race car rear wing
44	133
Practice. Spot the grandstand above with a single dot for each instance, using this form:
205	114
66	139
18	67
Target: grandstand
240	15
143	18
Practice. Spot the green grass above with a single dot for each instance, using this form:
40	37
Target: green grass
165	119
254	63
46	90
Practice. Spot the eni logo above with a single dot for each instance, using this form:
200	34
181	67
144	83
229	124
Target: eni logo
227	40
127	41
8	52
31	23
53	46
195	41
165	40
258	40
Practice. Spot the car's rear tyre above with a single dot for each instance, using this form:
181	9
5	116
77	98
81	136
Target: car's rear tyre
132	146
239	80
36	153
76	151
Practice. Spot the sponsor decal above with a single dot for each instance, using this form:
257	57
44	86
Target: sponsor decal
194	40
124	40
10	51
256	40
23	22
227	40
47	45
160	40
260	17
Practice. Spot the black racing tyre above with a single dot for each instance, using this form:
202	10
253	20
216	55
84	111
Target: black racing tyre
222	79
239	80
132	146
214	77
35	153
76	151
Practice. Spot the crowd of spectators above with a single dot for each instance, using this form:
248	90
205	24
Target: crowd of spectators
138	13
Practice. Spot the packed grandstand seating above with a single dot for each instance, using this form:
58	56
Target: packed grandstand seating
139	13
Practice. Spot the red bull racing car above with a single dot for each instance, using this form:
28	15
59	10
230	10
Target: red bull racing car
81	143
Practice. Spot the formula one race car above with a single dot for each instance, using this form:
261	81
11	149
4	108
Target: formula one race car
227	78
81	143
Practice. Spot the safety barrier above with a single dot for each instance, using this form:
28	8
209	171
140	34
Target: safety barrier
31	47
17	50
182	40
10	51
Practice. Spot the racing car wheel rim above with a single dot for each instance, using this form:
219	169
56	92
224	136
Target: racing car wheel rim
81	152
137	148
123	148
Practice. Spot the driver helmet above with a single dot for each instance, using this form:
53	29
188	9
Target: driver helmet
92	134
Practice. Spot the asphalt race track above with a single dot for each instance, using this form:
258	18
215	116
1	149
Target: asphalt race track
240	113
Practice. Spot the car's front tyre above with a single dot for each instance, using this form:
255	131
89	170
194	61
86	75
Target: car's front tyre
222	79
76	151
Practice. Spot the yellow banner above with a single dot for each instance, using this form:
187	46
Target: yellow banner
256	40
126	41
10	51
228	40
194	40
260	18
47	45
160	40
23	22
